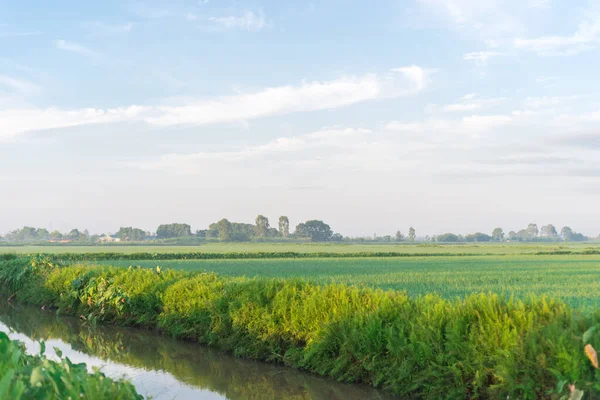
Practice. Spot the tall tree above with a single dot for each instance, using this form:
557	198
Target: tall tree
43	234
448	238
399	236
566	233
74	234
498	235
317	231
56	235
262	225
524	235
532	230
284	226
224	229
166	231
549	231
412	234
478	237
131	234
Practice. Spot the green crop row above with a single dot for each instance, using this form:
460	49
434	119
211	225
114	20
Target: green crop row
24	376
107	256
483	346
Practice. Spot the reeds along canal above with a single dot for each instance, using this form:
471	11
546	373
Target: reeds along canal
164	368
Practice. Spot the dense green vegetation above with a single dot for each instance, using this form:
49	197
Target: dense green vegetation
405	248
27	377
482	346
571	278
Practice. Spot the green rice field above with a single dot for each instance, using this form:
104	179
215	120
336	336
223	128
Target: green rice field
429	248
572	278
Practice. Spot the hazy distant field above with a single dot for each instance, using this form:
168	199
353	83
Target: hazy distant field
481	248
574	279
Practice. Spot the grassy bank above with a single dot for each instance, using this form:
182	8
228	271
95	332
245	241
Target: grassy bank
483	346
24	376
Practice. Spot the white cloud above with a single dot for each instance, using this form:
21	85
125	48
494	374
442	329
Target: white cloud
418	75
19	34
586	37
18	86
479	123
450	129
15	121
112	29
547	101
308	96
329	137
75	48
488	19
248	21
471	102
481	58
462	107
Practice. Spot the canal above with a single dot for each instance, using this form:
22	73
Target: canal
164	368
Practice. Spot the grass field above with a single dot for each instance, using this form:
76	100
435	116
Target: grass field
481	248
575	279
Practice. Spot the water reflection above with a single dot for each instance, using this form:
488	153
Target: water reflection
165	368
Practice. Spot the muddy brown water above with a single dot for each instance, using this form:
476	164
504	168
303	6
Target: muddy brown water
164	368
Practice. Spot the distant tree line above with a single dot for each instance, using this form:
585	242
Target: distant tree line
547	233
29	234
313	230
224	230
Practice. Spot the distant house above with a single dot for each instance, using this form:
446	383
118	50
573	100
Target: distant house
61	240
109	239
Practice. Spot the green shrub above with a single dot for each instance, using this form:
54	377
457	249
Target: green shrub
28	377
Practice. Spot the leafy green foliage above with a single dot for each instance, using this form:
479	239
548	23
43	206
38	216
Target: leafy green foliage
173	230
131	234
24	376
315	230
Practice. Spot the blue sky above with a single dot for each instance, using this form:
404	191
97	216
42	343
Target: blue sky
448	115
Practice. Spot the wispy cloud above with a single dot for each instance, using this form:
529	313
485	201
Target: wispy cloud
144	10
19	34
76	48
108	29
18	86
241	20
308	96
586	37
547	101
481	58
471	102
248	21
472	126
332	138
488	19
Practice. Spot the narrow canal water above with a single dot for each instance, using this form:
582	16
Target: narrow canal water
164	368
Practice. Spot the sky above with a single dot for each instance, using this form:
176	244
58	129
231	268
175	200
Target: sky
447	115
